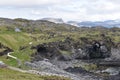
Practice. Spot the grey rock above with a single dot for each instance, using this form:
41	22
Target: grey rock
2	63
112	71
115	54
48	67
103	49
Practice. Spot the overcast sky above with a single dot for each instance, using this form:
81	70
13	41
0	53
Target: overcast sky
78	10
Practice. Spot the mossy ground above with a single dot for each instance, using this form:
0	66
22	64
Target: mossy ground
43	34
7	74
15	40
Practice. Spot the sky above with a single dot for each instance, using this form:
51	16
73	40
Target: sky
68	10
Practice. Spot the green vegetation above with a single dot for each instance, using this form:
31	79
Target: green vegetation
33	33
65	52
14	41
19	41
90	67
7	74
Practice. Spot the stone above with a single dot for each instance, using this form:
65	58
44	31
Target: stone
112	71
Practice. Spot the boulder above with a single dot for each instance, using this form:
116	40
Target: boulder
115	54
96	50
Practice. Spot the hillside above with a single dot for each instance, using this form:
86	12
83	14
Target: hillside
33	41
7	74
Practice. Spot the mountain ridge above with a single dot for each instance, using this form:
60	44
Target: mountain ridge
106	23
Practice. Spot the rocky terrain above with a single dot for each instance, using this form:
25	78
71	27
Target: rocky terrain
49	48
75	62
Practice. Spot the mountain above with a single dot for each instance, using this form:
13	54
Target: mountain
55	20
74	23
107	23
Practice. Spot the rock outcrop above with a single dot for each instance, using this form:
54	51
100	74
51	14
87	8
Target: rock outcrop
4	50
69	50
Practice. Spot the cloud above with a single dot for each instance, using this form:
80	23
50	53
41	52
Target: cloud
30	3
80	10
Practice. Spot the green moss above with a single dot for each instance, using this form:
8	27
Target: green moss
90	67
65	52
7	74
15	40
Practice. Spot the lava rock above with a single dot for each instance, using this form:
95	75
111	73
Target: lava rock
96	50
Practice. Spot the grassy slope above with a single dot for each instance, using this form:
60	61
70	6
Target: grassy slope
15	40
7	74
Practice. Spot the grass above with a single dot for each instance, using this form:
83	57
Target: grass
7	74
15	40
8	61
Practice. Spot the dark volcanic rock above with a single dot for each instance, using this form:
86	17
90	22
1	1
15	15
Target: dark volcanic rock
5	50
96	50
68	50
46	51
116	77
76	70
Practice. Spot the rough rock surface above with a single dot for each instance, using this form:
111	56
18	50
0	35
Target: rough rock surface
62	57
115	54
68	50
4	50
48	67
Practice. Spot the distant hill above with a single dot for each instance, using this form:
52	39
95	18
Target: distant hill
55	20
107	23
